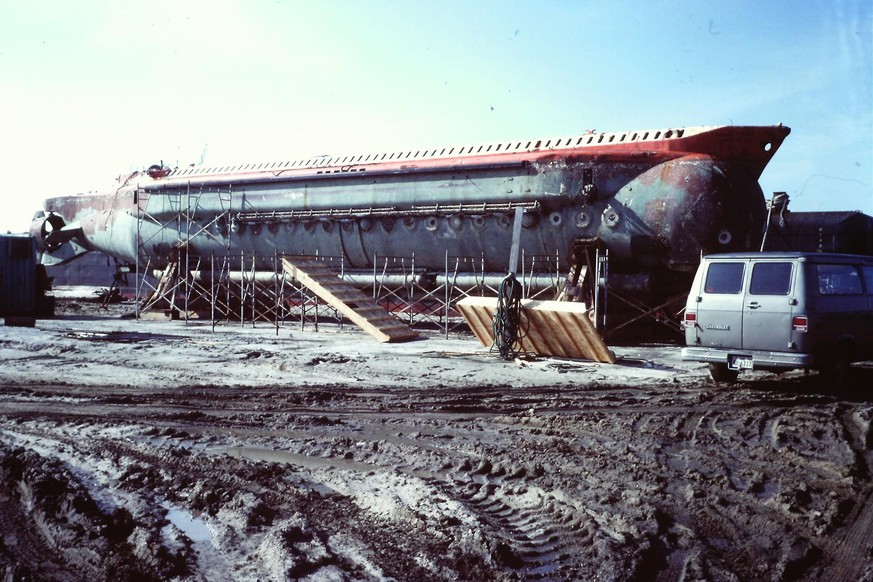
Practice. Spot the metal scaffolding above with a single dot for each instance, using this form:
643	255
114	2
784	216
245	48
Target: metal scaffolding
243	288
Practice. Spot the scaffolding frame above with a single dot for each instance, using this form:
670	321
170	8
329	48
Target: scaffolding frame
234	287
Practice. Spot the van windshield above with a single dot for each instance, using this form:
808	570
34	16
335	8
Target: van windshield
771	279
724	278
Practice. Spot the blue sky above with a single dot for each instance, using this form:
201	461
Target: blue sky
90	90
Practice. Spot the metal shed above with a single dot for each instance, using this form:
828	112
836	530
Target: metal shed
823	232
22	280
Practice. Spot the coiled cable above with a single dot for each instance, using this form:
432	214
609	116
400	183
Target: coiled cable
507	319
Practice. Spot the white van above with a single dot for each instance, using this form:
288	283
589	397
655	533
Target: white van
778	311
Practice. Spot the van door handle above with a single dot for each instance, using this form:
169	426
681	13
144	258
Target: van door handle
754	305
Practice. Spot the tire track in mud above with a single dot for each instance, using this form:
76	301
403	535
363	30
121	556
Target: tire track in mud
21	545
537	538
166	466
852	551
735	455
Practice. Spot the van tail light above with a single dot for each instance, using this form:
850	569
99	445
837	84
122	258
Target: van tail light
799	323
690	318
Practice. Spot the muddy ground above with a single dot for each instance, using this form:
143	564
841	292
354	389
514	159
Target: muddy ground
165	450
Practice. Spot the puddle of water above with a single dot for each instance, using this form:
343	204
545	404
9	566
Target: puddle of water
195	528
274	456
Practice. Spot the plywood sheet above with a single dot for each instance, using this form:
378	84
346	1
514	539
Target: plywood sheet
549	328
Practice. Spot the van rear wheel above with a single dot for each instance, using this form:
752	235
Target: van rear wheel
721	373
835	373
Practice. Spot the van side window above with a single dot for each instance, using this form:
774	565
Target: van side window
838	280
771	279
724	278
868	278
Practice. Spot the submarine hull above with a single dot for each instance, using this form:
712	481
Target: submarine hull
655	199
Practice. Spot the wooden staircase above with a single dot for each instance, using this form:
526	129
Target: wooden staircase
348	300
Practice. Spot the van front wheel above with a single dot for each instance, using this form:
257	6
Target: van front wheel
721	373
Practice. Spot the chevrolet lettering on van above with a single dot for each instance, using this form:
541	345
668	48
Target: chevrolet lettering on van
718	326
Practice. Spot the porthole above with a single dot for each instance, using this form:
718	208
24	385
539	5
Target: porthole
611	218
555	219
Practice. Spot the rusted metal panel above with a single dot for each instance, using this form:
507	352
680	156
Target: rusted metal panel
548	328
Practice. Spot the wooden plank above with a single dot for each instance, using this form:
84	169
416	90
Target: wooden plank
479	321
359	308
549	328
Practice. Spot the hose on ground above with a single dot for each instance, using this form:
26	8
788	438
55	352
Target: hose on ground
507	319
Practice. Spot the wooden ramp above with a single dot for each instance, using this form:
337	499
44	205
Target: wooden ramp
348	300
548	328
165	289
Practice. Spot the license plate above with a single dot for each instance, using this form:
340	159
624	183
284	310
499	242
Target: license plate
740	362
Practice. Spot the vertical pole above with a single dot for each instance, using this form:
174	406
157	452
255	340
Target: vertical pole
225	275
600	293
187	270
185	285
254	285
447	295
276	269
138	243
524	290
410	298
557	278
212	288
342	260
516	240
242	288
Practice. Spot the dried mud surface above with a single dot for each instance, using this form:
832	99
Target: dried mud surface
160	450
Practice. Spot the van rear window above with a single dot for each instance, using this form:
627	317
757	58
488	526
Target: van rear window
724	278
838	280
771	279
868	278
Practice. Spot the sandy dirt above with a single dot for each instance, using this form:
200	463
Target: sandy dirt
165	450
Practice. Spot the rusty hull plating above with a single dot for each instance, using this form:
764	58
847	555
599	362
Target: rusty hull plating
656	199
